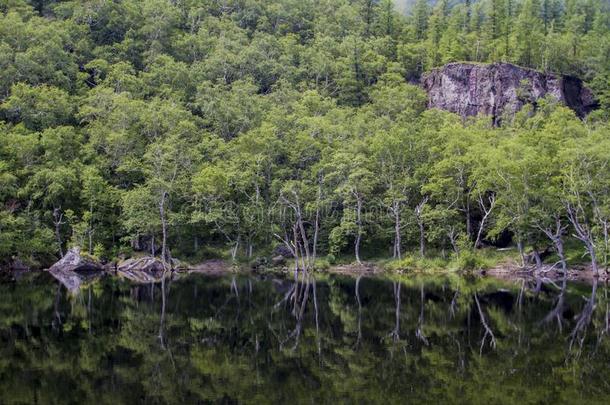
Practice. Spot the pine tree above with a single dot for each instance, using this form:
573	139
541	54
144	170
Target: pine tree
420	18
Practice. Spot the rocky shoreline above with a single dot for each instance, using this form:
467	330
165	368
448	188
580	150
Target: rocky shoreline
77	269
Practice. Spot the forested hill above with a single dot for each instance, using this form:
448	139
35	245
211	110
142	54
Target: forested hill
195	127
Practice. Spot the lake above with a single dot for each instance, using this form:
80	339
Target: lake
328	339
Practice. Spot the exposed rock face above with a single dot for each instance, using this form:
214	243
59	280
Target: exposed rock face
500	88
143	270
74	269
281	250
278	261
74	261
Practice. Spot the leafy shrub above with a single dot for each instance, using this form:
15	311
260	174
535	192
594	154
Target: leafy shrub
99	251
322	264
469	260
406	264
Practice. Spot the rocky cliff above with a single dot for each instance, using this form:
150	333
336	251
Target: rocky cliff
495	89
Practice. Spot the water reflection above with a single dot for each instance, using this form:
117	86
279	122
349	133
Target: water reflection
310	339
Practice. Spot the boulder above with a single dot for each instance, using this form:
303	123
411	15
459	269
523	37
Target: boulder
277	261
212	267
497	89
145	269
281	250
74	269
73	260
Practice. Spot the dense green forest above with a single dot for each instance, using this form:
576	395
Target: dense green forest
200	128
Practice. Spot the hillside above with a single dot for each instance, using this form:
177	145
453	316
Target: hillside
204	129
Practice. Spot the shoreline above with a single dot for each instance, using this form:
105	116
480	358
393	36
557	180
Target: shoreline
508	271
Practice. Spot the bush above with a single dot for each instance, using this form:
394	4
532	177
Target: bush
322	264
469	260
405	264
431	264
99	251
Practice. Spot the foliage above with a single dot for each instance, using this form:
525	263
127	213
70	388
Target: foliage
200	127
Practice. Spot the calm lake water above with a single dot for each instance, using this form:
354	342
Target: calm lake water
332	339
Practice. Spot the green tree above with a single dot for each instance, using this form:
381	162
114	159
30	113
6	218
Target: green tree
38	107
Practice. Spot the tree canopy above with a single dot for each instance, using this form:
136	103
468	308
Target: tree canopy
243	124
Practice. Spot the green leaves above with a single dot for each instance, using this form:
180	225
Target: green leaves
39	107
235	115
230	110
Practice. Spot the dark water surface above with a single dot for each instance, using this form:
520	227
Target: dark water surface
333	339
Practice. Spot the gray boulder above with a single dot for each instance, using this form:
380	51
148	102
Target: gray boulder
277	261
145	269
74	269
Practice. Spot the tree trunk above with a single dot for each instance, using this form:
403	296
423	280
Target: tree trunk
591	249
296	252
304	239
419	210
397	254
555	236
422	239
521	252
606	243
558	242
234	250
90	229
487	213
453	240
468	220
316	231
164	251
583	233
537	259
359	232
58	222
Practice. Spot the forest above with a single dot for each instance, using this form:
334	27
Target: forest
199	129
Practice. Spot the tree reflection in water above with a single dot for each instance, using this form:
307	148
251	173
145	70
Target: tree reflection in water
314	338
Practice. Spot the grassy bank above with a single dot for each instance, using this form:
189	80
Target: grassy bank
410	262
